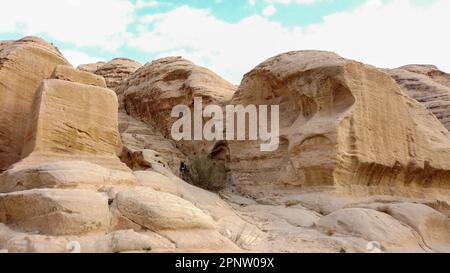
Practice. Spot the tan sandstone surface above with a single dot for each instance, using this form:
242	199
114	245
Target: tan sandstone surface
91	68
116	71
428	85
152	91
23	65
344	125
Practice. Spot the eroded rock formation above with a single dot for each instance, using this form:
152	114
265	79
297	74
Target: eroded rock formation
23	65
428	85
91	68
344	125
117	70
72	139
151	92
71	192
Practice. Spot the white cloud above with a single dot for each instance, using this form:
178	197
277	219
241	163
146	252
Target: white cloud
384	34
76	57
101	23
269	11
146	4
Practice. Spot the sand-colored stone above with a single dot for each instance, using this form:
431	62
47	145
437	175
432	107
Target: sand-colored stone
429	86
344	125
432	226
55	212
114	242
23	65
72	141
91	68
161	211
117	70
152	91
68	73
198	241
371	225
141	141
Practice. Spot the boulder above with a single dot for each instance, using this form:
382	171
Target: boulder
161	211
345	126
152	91
117	70
370	225
433	226
23	65
200	241
55	212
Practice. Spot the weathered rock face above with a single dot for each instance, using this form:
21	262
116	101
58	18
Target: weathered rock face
371	225
72	140
116	71
91	68
145	147
67	73
56	212
344	125
432	226
431	71
151	92
23	65
149	208
427	85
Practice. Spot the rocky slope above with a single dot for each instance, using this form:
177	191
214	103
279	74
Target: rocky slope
428	85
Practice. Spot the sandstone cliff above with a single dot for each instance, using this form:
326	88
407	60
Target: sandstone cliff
344	125
151	92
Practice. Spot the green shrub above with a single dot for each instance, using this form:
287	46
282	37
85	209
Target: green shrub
203	172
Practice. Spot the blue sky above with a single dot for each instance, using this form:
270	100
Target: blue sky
232	36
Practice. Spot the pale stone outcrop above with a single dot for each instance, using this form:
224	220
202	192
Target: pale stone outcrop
114	242
432	226
429	86
68	73
344	125
117	70
161	211
23	65
72	141
371	225
55	212
91	68
152	91
144	146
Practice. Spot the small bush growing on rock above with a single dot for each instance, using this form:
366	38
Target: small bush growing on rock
203	172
